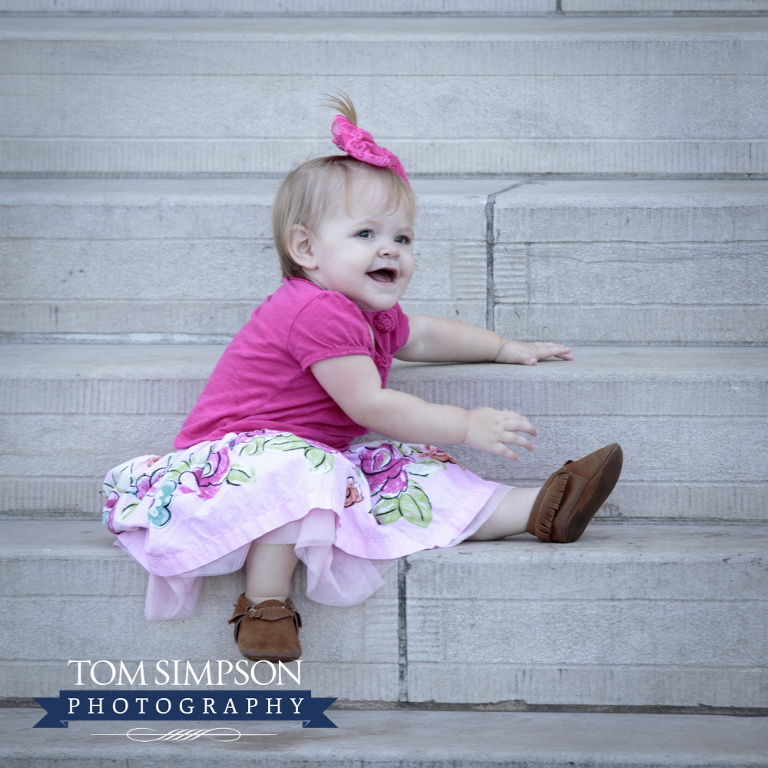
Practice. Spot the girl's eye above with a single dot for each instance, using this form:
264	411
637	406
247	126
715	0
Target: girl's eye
403	239
365	233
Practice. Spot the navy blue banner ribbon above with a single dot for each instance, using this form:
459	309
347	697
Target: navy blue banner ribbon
96	706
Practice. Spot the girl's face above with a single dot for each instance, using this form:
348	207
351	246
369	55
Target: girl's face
363	252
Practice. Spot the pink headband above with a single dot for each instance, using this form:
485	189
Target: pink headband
359	144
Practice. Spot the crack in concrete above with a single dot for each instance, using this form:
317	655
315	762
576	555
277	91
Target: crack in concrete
490	245
402	630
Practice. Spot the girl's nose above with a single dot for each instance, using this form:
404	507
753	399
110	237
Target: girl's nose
389	248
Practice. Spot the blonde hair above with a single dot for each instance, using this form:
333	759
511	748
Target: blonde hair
316	188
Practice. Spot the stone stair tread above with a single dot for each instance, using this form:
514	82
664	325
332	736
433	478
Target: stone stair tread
646	616
150	362
585	262
30	373
176	195
393	739
544	95
602	195
641	615
70	542
92	237
639	193
315	8
74	411
410	28
372	7
722	7
40	553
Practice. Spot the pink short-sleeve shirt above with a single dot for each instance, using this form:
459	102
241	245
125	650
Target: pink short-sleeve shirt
263	380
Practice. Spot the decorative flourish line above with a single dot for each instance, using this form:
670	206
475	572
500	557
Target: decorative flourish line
179	734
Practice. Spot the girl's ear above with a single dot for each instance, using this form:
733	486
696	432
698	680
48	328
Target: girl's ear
300	247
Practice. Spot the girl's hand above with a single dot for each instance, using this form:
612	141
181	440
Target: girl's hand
529	354
490	430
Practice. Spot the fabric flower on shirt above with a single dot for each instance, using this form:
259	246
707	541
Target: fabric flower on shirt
384	322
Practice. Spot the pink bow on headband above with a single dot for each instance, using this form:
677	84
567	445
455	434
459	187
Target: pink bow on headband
359	144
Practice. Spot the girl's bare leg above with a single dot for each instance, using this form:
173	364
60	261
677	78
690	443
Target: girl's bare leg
268	571
510	517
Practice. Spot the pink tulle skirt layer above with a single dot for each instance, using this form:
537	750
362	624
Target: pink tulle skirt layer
350	515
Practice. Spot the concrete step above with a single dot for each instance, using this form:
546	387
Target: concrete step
633	262
197	255
280	7
652	96
415	739
375	7
628	616
725	7
692	421
583	262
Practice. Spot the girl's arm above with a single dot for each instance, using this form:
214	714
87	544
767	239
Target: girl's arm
354	383
433	339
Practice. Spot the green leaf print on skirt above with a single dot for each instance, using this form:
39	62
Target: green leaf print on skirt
319	460
391	469
202	472
413	505
255	443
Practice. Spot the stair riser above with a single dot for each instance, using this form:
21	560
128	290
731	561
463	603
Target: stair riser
73	412
200	257
716	500
346	7
279	7
624	262
423	740
657	158
541	96
685	453
578	262
601	622
357	660
547	288
589	683
664	6
639	639
412	48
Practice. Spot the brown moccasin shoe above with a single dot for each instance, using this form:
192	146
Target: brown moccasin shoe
571	496
267	631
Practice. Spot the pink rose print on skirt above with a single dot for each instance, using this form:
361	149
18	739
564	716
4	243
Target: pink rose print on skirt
399	495
143	485
205	480
385	469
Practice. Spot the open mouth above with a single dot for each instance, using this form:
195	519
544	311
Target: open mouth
384	275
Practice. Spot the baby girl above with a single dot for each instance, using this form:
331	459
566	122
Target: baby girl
265	472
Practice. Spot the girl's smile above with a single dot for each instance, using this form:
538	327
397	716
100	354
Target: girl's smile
363	252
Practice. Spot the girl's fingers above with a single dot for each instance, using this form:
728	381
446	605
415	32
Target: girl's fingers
502	450
524	357
545	349
515	439
517	423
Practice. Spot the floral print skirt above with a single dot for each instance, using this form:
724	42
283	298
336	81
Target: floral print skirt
349	514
